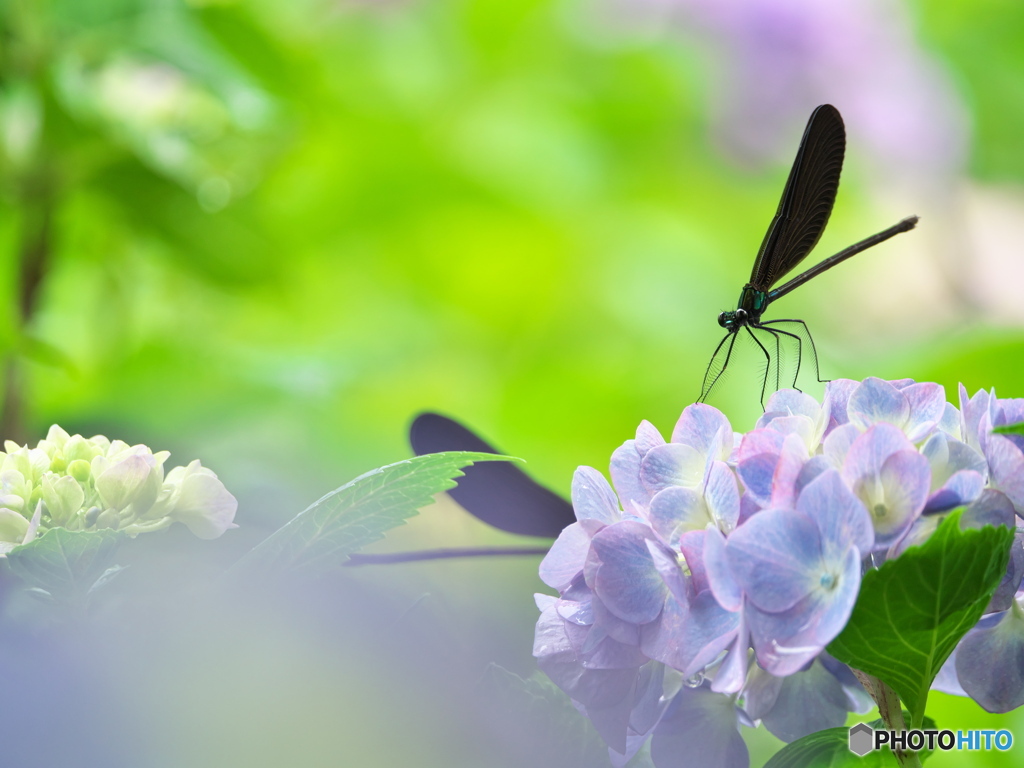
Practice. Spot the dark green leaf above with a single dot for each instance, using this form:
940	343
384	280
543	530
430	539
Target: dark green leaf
66	564
326	533
912	611
1010	429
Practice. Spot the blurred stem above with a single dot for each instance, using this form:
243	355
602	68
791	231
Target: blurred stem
891	712
34	249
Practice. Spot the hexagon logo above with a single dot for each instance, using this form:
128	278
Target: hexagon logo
861	739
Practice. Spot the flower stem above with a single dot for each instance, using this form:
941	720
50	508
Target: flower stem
891	712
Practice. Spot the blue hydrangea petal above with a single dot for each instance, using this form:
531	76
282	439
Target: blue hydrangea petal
700	728
961	488
760	692
784	641
722	582
841	518
950	422
689	636
773	556
566	557
973	412
807	701
593	498
627	581
990	663
946	681
732	672
691	545
676	510
624	632
705	429
672	464
877	401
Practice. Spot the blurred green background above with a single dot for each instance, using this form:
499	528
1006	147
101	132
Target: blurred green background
266	234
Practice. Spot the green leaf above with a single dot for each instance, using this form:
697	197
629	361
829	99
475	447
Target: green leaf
326	533
1010	429
66	564
912	611
829	748
540	722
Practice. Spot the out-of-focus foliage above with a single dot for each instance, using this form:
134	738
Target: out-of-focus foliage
267	233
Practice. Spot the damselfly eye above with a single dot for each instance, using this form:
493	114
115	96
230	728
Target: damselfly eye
741	316
721	319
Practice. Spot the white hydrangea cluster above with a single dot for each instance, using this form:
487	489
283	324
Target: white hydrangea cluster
81	484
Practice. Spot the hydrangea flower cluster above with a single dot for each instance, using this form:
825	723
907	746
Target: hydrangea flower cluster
87	484
701	592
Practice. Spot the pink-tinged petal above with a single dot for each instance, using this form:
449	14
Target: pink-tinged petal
876	401
627	581
565	559
676	510
625	472
593	498
700	728
722	496
810	470
758	442
705	429
647	437
721	580
869	452
837	398
927	407
840	516
672	464
1006	463
791	461
771	556
691	545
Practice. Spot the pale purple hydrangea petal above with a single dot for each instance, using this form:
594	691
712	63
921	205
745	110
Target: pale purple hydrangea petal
841	518
626	580
870	451
676	510
722	496
722	582
990	661
837	445
732	672
836	399
672	464
950	421
705	429
877	401
690	635
946	681
593	498
769	556
974	411
787	640
927	407
700	728
961	488
566	557
791	461
1006	464
760	692
625	472
647	437
807	701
